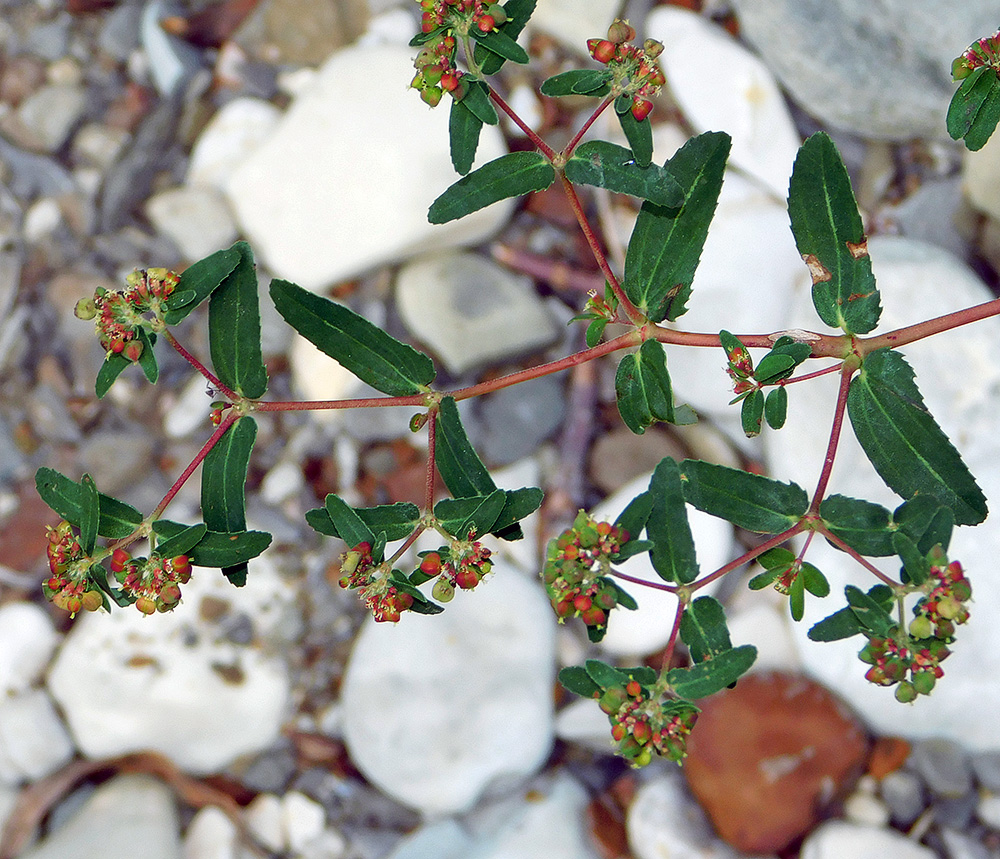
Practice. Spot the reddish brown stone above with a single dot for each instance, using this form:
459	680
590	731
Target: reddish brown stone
769	756
888	755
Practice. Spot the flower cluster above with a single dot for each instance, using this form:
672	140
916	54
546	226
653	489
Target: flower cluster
740	369
635	71
70	586
944	607
985	52
466	563
383	599
643	726
154	583
576	567
119	315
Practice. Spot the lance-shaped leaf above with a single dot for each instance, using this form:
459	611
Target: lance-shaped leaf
396	521
365	349
829	235
593	82
707	678
639	134
116	520
925	521
199	281
642	387
863	525
975	108
460	515
234	329
147	360
749	501
223	484
606	165
752	413
518	12
499	43
666	244
90	514
673	554
226	549
463	135
903	441
352	529
872	613
845	623
509	175
576	679
175	538
915	565
477	100
704	630
113	366
518	503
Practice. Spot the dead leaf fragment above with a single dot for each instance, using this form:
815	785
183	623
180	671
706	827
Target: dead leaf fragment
819	272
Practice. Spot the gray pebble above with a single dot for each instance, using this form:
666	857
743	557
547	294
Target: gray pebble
34	175
50	40
271	771
986	768
120	33
958	845
956	812
903	793
944	767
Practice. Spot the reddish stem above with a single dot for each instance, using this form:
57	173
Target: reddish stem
431	451
559	275
748	556
668	651
846	372
568	151
912	333
317	405
656	586
537	141
824	372
201	368
820	528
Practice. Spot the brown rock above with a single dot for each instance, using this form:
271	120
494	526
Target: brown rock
768	757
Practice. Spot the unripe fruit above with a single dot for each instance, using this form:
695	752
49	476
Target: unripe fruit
431	564
443	590
133	350
641	108
486	23
621	31
582	603
119	557
432	95
466	579
949	607
92	601
633	688
85	309
612	700
601	50
404	601
652	48
145	605
618	732
641	731
921	627
924	681
906	693
594	617
498	13
564	608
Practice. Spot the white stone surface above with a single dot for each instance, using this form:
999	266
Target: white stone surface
737	95
647	629
584	723
470	311
988	809
303	819
211	835
960	380
345	180
837	839
572	22
236	130
130	816
196	219
442	839
27	641
263	817
49	114
172	682
438	710
33	741
981	178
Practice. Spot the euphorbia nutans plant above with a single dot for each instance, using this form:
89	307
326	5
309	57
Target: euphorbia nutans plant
908	623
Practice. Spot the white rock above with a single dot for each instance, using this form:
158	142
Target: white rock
50	113
211	835
980	171
572	22
471	311
318	377
647	629
27	641
329	844
763	621
171	61
190	411
264	819
41	219
196	219
442	839
172	682
98	145
960	381
865	809
344	182
236	130
33	740
302	820
836	839
745	279
583	722
438	710
738	95
130	816
988	809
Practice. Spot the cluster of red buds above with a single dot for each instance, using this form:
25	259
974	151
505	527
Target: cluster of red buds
643	726
153	582
985	52
382	598
940	610
740	369
635	71
465	565
435	64
119	315
576	567
70	586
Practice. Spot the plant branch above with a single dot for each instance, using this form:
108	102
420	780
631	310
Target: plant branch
668	651
820	528
568	151
912	333
536	141
748	556
231	395
656	586
847	370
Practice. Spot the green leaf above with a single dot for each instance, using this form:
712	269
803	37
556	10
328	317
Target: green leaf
181	540
749	501
914	563
213	548
635	515
594	332
477	101
776	408
463	134
829	235
975	108
459	465
396	521
797	598
606	165
666	244
99	576
500	44
234	329
752	413
815	581
605	675
592	82
870	612
704	630
841	624
623	597
90	514
117	519
576	680
938	533
518	13
202	279
639	134
484	512
147	360
673	555
518	504
863	525
360	347
642	386
509	175
707	678
114	365
774	366
909	450
352	529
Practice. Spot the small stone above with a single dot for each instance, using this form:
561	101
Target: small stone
988	809
302	820
888	755
98	145
944	767
865	809
172	61
619	456
837	839
196	219
471	311
211	835
441	839
519	418
264	819
321	26
49	114
27	641
958	845
235	131
114	458
33	740
904	794
584	723
271	771
120	29
956	812
986	769
768	755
